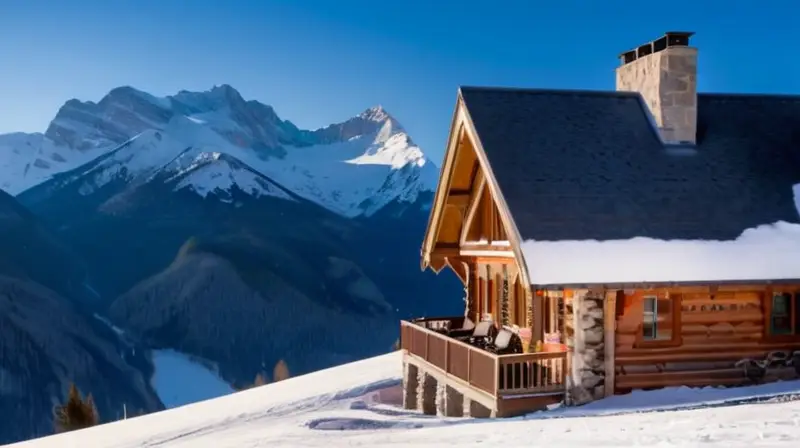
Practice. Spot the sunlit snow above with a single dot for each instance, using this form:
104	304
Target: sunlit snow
356	405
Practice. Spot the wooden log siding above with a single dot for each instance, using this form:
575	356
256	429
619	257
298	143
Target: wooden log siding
716	328
497	375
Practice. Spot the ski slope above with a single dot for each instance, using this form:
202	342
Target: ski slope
351	405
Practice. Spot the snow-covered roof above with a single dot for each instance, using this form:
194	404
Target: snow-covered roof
769	252
596	197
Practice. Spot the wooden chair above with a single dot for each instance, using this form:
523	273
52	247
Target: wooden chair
483	334
467	329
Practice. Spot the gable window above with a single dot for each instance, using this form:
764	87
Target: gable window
784	314
659	319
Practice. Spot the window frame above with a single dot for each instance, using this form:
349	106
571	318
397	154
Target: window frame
794	302
675	306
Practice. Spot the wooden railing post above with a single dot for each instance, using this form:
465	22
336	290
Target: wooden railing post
496	375
469	366
446	356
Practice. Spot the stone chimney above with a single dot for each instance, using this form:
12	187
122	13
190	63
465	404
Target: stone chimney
664	72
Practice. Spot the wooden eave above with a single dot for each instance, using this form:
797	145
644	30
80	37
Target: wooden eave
651	285
462	125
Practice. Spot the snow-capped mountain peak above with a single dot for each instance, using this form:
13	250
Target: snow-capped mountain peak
354	167
205	173
376	113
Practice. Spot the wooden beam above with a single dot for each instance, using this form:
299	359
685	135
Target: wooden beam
458	200
609	326
487	251
474	201
459	192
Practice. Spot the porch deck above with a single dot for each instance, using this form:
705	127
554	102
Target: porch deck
505	385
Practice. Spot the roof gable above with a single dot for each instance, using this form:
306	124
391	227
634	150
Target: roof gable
580	165
466	186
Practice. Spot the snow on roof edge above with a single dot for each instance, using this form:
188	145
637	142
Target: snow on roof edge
765	253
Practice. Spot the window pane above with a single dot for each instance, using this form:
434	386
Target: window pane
780	304
649	330
657	319
796	306
781	318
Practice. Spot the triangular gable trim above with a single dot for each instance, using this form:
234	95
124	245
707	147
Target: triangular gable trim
445	173
462	122
491	182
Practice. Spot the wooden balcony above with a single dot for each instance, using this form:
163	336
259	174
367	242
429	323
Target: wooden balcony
507	385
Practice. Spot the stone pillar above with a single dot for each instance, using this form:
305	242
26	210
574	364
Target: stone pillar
586	380
454	402
410	385
426	393
477	410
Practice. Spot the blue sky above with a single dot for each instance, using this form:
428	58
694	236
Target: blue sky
321	61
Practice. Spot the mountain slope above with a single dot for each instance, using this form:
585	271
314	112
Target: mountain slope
221	231
255	263
46	341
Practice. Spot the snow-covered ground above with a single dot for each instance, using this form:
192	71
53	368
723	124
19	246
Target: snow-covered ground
179	380
351	405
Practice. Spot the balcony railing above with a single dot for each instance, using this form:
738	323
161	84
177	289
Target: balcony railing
501	376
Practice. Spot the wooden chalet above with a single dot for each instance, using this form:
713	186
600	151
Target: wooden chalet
608	241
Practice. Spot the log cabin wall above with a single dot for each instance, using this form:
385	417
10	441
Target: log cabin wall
693	336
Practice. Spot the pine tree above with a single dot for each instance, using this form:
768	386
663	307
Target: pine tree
261	379
280	372
76	413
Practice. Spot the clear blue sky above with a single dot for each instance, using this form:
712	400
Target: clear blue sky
321	61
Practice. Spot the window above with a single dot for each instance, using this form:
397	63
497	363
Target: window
657	323
784	316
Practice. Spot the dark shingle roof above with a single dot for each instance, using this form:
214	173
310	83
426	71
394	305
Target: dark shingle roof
589	165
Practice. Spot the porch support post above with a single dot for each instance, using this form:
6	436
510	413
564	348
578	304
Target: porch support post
538	317
410	385
469	298
453	402
426	393
474	292
530	293
610	340
477	410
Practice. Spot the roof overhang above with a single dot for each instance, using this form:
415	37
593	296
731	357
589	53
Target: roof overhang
653	285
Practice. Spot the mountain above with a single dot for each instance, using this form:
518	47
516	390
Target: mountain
353	168
213	227
47	340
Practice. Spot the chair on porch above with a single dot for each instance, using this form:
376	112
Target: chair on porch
505	343
482	335
467	329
